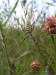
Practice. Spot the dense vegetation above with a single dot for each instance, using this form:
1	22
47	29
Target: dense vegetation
18	50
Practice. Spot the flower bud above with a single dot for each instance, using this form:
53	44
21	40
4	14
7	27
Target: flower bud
35	66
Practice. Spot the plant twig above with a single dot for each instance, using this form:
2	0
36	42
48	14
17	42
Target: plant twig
8	57
36	44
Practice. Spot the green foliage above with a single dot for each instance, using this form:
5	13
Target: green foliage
17	52
27	51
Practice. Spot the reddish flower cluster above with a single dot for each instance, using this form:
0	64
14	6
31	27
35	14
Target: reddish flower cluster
35	66
50	25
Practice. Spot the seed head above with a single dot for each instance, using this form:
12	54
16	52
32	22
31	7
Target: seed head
35	66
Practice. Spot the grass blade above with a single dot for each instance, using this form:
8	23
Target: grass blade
24	54
12	11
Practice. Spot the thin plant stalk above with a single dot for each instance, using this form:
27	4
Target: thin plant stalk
52	37
47	68
12	11
6	50
23	39
36	44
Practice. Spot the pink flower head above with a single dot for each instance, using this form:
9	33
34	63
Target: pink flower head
50	25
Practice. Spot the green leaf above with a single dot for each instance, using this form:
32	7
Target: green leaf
24	54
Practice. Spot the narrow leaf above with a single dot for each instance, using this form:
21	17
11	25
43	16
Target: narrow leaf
12	12
24	54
